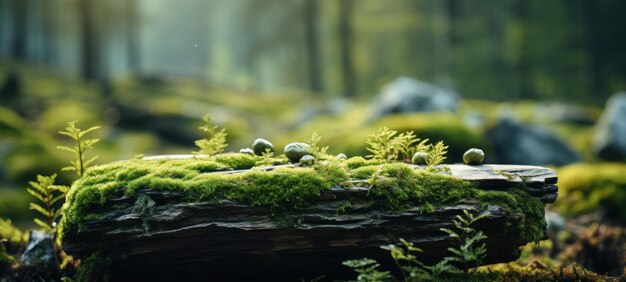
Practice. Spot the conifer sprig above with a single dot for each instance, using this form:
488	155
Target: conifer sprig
47	194
81	145
215	142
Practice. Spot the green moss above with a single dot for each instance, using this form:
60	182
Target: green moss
236	161
587	187
94	268
286	189
356	162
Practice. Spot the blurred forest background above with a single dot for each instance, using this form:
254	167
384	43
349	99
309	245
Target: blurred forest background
503	50
528	81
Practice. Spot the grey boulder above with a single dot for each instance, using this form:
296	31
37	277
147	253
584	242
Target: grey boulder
609	140
517	143
409	95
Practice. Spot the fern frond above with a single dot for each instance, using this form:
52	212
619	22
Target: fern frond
215	142
80	147
83	132
437	154
45	226
35	194
40	209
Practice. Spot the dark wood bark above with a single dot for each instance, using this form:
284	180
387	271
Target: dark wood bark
159	235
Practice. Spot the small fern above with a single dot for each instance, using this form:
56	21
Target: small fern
470	254
215	142
11	233
81	145
437	154
368	270
47	194
381	145
471	251
385	145
315	150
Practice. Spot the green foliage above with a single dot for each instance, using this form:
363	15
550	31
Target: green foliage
586	187
215	142
387	145
315	150
437	154
6	260
470	252
368	270
48	195
381	145
79	164
94	268
266	158
11	234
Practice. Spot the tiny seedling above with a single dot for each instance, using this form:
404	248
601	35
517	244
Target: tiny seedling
81	145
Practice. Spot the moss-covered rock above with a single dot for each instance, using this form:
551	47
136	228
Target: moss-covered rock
332	206
587	187
286	188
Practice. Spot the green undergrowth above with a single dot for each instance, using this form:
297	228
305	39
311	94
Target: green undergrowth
586	187
288	189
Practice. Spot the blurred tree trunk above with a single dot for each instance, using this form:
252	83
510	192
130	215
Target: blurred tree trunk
49	31
524	68
593	39
91	60
132	36
345	42
311	8
19	42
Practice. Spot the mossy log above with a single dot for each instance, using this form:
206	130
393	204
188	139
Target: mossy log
164	234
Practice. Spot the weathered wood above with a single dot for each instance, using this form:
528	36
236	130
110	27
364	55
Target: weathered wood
174	239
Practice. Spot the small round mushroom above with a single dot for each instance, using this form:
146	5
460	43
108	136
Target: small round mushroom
474	156
260	145
307	160
296	150
419	158
247	151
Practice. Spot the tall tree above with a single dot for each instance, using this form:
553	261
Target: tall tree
91	59
132	36
311	8
19	42
345	45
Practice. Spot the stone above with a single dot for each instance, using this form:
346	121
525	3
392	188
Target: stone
190	240
260	145
517	143
408	95
474	156
419	158
296	150
609	140
39	262
564	113
247	151
307	160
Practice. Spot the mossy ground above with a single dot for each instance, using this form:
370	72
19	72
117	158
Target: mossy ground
288	188
586	187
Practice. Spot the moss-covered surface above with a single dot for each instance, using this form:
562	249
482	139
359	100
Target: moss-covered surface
289	188
585	187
